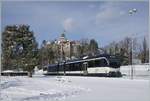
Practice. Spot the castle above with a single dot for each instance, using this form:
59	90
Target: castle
68	49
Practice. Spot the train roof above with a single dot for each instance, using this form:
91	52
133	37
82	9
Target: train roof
101	56
108	56
52	64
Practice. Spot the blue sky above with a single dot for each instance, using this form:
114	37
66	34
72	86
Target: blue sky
103	21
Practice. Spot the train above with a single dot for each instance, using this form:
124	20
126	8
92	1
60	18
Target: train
101	65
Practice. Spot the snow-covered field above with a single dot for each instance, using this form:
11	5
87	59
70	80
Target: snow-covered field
71	88
138	70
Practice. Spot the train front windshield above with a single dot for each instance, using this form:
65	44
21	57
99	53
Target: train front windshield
114	62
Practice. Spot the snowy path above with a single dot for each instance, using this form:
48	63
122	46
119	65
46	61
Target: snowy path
40	88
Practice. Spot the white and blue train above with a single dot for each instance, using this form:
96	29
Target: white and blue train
102	65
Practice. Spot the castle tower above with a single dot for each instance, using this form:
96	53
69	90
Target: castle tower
62	37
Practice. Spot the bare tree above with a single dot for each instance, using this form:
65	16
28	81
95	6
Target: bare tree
144	53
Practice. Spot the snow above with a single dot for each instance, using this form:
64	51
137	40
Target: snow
8	71
139	71
38	88
73	88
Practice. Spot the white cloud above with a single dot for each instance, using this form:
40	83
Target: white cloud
109	12
68	24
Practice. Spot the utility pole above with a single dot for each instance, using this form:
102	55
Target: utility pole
132	12
132	58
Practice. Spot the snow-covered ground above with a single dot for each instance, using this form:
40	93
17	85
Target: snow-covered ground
139	71
71	88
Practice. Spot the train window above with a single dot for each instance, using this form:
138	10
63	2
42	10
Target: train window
103	63
71	67
76	65
91	64
61	68
100	63
114	64
52	68
67	67
97	63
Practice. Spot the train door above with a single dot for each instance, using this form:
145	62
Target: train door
85	67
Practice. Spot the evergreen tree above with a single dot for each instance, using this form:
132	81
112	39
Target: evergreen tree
93	47
19	48
84	48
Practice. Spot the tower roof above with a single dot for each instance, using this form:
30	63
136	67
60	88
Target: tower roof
63	34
